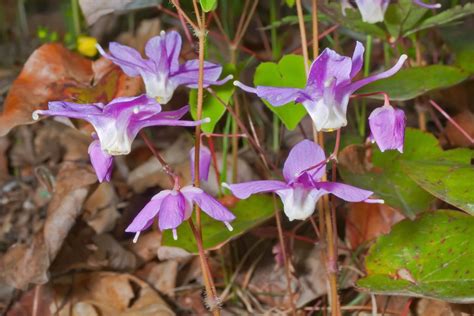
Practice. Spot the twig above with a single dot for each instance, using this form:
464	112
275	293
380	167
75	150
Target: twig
450	119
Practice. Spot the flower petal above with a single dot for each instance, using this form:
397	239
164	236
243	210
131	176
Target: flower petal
302	156
101	161
246	189
299	203
372	11
328	69
387	126
164	51
388	73
188	74
427	5
144	219
208	204
357	59
344	191
276	96
172	211
204	162
71	110
126	58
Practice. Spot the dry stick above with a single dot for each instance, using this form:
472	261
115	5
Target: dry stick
450	119
314	22
304	42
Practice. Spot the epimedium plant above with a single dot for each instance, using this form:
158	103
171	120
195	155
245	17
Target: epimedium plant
408	171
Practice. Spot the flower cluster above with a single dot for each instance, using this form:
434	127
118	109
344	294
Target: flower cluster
373	11
330	84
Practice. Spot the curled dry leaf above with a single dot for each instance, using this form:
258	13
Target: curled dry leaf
54	73
162	276
366	221
101	210
49	68
24	264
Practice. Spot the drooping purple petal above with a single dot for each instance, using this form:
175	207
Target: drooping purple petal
164	51
427	5
208	204
299	203
372	11
101	161
387	126
328	69
359	84
127	58
145	217
344	191
70	110
357	59
188	74
172	211
304	155
204	162
246	189
274	95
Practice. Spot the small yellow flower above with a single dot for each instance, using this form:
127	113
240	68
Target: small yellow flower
86	45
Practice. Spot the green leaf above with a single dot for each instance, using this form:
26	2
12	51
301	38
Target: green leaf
445	17
212	107
249	213
402	16
448	181
289	72
429	257
290	3
461	40
412	82
208	5
352	21
390	179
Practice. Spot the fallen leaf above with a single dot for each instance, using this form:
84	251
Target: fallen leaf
367	221
138	39
146	247
29	263
4	144
111	252
49	68
100	210
162	276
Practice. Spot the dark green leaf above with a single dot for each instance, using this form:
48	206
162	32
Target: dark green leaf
429	257
412	82
289	72
461	40
402	16
211	106
445	17
250	213
449	181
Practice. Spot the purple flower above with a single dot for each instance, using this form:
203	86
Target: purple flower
204	162
162	72
172	207
302	171
373	11
387	127
116	125
328	88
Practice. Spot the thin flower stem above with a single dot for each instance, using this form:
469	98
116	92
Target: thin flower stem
385	96
184	15
166	167
314	23
281	238
304	42
450	119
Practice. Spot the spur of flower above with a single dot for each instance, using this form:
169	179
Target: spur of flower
387	127
116	125
373	11
302	188
172	207
161	71
328	87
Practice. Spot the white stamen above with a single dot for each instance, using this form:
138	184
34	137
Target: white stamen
35	115
229	227
175	234
135	239
375	201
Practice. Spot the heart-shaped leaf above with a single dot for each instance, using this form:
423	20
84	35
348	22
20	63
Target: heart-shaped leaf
429	257
249	213
289	72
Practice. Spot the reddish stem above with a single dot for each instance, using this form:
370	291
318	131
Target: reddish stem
450	119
